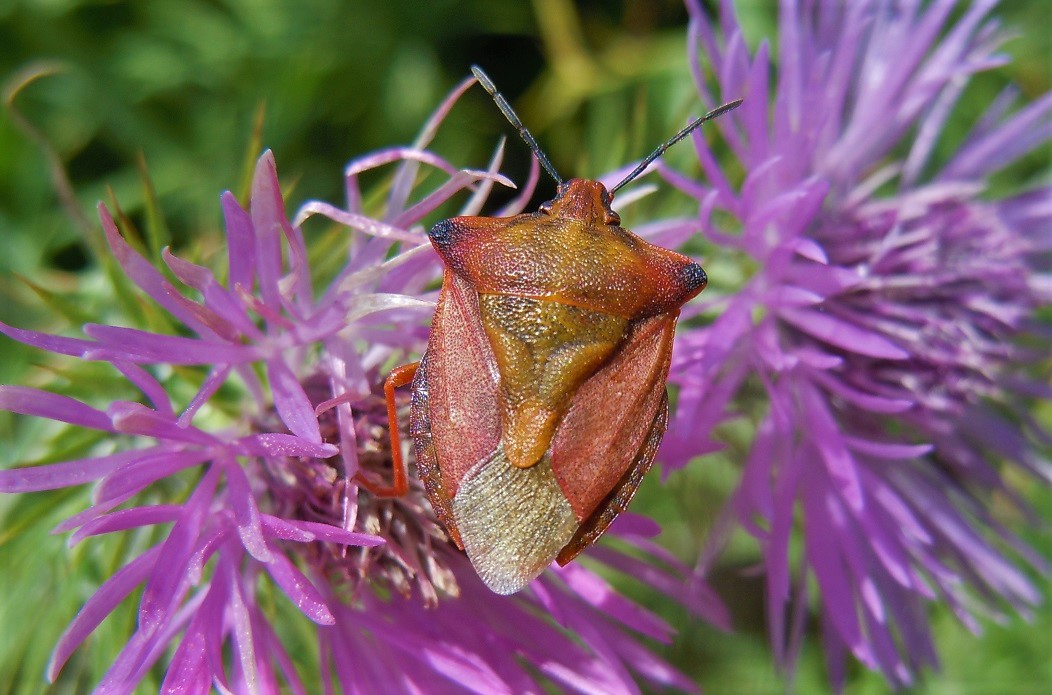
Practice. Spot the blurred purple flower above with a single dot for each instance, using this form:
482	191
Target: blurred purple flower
882	321
397	607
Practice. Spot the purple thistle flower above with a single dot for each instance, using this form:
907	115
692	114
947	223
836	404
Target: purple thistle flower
881	324
273	486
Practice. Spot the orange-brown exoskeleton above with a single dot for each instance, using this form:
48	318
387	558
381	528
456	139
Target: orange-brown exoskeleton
540	401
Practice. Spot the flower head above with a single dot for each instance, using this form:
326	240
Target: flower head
285	410
882	319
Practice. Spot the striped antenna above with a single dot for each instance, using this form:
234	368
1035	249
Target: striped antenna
715	113
513	118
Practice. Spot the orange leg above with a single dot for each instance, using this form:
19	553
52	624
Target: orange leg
400	376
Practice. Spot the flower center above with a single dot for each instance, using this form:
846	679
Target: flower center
417	552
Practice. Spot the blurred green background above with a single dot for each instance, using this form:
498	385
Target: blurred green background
189	89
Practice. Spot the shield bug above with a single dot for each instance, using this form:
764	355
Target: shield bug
539	403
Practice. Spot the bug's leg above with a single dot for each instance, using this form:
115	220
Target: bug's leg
400	376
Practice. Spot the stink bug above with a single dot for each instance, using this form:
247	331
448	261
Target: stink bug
540	401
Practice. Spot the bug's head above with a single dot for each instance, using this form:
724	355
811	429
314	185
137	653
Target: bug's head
585	200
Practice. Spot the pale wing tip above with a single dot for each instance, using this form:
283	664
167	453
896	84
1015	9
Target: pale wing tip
503	580
513	521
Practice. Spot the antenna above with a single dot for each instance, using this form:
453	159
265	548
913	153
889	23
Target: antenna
509	113
715	113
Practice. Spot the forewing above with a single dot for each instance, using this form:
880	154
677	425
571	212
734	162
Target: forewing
618	499
612	416
461	383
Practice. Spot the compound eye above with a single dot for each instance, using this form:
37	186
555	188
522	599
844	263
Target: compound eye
605	198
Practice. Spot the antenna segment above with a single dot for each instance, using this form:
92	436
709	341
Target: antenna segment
513	118
715	113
